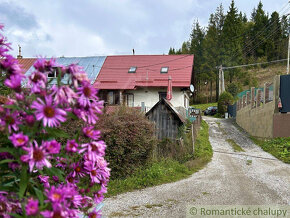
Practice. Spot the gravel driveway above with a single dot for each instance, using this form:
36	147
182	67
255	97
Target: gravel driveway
253	177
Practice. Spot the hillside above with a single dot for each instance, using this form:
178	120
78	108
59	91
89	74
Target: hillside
245	79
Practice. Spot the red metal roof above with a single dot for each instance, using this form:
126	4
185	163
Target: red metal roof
26	63
114	72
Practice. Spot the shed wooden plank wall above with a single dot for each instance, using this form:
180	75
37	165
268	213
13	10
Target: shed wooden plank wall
165	121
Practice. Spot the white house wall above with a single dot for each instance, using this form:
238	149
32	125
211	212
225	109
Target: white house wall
151	96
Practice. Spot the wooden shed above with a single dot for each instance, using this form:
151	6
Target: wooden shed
166	118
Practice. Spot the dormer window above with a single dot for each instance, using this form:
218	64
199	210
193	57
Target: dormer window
52	74
132	70
164	70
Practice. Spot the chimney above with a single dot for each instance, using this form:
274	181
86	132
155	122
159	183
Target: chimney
19	56
133	51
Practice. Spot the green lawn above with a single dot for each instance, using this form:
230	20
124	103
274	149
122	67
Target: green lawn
278	147
204	106
166	170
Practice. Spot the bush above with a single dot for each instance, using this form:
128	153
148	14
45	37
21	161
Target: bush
129	138
224	100
233	88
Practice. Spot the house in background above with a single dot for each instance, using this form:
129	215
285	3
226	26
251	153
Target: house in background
142	80
133	80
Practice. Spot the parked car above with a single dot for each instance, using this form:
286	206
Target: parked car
210	111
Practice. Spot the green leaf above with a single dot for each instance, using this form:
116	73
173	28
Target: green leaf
23	181
55	172
57	133
9	150
11	107
39	195
6	161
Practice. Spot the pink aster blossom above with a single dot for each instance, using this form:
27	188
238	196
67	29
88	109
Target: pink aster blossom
95	214
71	146
92	170
47	112
44	180
94	149
30	120
55	195
11	120
18	139
52	147
43	65
14	82
32	207
37	156
63	95
37	81
77	170
91	133
87	94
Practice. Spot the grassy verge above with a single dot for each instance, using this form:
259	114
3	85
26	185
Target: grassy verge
204	106
235	146
166	170
278	147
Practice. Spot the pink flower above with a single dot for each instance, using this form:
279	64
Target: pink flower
78	170
48	113
71	146
30	120
63	95
95	214
11	120
55	195
44	180
14	82
94	149
37	156
52	147
38	81
44	65
32	207
92	170
18	139
91	133
87	94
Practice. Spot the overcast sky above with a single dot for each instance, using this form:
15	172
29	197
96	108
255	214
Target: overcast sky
108	27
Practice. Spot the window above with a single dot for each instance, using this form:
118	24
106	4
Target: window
132	70
164	70
53	74
129	99
162	95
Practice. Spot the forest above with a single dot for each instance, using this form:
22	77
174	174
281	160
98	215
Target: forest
230	39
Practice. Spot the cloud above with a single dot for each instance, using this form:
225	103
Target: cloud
15	16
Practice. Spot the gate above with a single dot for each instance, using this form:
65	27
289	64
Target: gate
285	93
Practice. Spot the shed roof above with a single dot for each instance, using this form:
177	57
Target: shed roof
171	108
114	73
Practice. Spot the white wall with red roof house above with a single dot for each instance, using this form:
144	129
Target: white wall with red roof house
150	96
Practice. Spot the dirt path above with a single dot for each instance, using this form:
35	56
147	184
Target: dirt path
229	179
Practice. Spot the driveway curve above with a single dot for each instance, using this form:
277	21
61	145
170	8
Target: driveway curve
253	177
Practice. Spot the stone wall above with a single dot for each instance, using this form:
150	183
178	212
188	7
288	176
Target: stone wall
257	121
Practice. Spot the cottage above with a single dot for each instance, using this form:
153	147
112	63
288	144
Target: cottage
142	80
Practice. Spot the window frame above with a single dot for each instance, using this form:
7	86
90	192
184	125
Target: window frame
162	72
131	71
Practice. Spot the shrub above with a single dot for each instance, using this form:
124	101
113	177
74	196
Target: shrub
129	138
233	88
224	100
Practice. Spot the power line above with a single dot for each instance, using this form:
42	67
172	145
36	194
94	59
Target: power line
246	65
